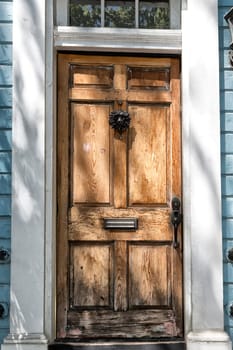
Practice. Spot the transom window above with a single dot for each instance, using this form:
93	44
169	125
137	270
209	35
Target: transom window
147	14
119	25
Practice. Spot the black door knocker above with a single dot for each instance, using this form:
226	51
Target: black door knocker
119	120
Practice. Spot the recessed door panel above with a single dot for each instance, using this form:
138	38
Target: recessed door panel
90	275
149	276
149	161
91	153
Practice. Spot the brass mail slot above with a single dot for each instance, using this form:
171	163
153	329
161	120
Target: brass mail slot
121	224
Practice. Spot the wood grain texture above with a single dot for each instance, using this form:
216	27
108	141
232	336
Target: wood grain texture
91	275
176	186
148	78
84	75
87	94
120	166
62	197
148	158
133	324
91	153
149	275
160	62
117	283
87	224
120	276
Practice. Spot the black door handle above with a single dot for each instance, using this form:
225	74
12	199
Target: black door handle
176	219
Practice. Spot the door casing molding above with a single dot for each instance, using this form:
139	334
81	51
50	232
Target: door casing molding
32	319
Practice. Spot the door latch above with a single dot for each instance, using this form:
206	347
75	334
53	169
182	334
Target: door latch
176	218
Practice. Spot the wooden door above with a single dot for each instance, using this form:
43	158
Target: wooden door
123	283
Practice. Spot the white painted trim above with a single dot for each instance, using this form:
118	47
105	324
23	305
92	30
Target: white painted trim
208	340
32	281
102	12
112	39
50	176
61	12
203	284
186	179
136	13
184	6
175	14
27	288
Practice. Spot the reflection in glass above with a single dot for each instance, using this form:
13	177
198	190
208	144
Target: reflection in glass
154	14
120	14
85	13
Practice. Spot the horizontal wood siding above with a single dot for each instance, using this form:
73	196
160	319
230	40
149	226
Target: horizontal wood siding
5	152
226	99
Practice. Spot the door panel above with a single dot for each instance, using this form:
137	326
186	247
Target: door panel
118	283
149	276
148	78
91	272
91	153
89	76
148	146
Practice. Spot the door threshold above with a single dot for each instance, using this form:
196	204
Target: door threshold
178	345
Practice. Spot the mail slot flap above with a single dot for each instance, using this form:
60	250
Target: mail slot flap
125	224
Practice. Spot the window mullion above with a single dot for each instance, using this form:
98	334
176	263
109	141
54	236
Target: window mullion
175	10
102	12
137	13
62	12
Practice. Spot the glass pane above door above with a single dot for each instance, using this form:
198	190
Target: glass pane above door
85	13
145	14
119	14
154	14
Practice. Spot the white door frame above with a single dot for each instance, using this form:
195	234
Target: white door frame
32	304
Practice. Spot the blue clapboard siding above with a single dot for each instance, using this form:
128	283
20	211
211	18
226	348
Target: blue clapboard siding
5	151
226	103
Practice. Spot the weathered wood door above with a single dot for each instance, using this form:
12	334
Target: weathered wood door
123	283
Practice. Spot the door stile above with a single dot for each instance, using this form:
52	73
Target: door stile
120	165
175	127
120	141
62	195
176	186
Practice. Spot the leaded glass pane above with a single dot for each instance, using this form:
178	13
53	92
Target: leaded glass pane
154	14
120	14
85	13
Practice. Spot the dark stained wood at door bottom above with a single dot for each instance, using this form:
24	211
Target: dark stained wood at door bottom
147	346
121	325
